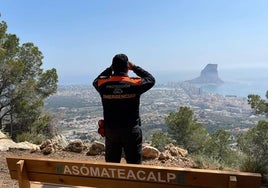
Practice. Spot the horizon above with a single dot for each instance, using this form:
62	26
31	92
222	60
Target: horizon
239	82
245	74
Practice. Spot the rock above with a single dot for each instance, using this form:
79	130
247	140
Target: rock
173	151
48	149
76	146
6	144
28	146
165	155
45	144
182	152
49	146
176	155
209	75
97	148
60	141
150	152
176	151
2	135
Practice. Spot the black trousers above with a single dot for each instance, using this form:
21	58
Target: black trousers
127	139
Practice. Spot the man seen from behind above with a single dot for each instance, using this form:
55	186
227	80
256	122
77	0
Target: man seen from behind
120	95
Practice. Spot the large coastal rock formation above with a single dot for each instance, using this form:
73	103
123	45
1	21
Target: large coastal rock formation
209	75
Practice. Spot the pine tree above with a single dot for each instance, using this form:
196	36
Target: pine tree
23	85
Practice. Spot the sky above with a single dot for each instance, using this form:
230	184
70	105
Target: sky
80	37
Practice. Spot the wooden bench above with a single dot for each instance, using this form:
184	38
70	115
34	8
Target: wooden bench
115	175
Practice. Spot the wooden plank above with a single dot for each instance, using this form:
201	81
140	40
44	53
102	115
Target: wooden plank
115	175
47	185
135	173
248	181
102	183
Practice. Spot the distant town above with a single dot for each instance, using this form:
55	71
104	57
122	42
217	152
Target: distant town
77	109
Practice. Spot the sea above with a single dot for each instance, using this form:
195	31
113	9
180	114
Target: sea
237	82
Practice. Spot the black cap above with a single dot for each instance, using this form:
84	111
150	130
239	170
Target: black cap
120	63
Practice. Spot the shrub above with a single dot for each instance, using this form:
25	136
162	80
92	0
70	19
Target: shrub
30	137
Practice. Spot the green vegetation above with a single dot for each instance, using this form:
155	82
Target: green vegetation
185	130
254	144
67	102
160	140
215	149
23	87
258	104
218	145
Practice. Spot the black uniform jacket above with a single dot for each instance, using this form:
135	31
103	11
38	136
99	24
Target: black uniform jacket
120	95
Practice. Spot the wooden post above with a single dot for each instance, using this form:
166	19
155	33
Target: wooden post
232	182
22	175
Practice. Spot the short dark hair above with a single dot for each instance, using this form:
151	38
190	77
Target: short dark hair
120	63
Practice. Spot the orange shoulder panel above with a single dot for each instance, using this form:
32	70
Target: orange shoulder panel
136	81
